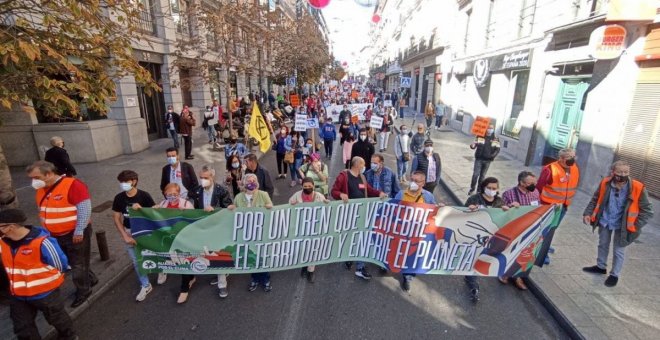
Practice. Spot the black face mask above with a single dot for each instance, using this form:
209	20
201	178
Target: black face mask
570	161
308	191
620	179
530	187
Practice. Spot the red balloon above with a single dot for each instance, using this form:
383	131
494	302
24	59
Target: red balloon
375	18
318	3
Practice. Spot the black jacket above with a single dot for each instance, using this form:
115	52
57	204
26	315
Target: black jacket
175	119
60	158
364	150
188	177
219	198
487	151
263	177
421	163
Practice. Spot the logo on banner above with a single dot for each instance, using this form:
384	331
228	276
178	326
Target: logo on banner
481	72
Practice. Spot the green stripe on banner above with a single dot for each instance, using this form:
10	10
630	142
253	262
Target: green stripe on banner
401	236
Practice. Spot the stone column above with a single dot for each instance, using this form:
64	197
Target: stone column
125	111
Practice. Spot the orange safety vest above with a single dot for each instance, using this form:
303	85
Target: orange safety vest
633	209
28	275
57	214
563	186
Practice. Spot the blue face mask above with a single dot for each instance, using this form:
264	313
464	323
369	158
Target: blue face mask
374	166
171	160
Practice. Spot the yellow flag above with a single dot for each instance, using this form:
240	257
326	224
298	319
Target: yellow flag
259	129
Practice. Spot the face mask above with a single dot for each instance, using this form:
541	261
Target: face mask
428	149
490	131
345	121
309	145
172	198
404	131
413	186
38	184
308	191
374	166
205	183
620	179
362	138
235	165
530	187
251	186
125	186
490	193
171	160
570	161
364	168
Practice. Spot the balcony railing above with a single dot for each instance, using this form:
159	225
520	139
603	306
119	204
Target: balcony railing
145	22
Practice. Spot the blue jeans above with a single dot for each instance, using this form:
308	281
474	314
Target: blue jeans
210	131
401	167
261	278
144	279
438	121
175	138
294	168
604	238
401	112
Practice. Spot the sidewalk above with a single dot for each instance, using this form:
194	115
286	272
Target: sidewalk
101	179
631	310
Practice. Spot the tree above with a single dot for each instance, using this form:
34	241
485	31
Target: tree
336	71
58	55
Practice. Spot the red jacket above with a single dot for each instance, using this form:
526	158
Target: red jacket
341	186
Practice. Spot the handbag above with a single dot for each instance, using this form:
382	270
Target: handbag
404	154
288	157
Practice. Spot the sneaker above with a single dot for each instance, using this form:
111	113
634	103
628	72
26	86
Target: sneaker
611	281
268	287
363	274
405	284
474	294
222	292
143	293
551	250
546	260
162	277
253	286
595	270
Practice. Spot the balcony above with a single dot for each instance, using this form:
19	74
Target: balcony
145	22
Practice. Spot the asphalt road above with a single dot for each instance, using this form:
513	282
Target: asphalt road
337	306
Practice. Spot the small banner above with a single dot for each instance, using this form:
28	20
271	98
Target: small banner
295	100
376	122
480	126
400	236
301	123
312	123
387	103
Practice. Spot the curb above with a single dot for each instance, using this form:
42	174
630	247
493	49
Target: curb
563	321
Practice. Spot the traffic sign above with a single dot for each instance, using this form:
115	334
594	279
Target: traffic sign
405	82
291	81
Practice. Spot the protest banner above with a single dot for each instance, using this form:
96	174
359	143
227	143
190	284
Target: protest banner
387	103
301	123
295	100
400	236
480	126
359	108
376	122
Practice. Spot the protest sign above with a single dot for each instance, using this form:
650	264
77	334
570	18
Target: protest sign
376	122
400	236
387	103
301	123
312	123
480	126
295	100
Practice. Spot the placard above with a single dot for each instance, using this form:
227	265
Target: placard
301	123
295	100
376	122
480	126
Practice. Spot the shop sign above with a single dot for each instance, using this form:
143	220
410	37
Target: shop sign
519	59
607	42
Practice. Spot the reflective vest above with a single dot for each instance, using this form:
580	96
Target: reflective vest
563	186
28	275
633	209
57	214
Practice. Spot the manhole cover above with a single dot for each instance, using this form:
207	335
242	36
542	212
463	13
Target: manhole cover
102	207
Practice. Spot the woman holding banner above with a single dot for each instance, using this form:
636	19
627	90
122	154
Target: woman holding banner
252	197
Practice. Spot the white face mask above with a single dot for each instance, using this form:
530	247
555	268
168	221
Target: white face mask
38	184
490	193
413	186
171	160
125	186
428	149
205	183
362	138
490	131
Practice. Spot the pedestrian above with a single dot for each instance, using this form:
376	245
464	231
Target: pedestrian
523	194
65	209
402	106
385	130
415	193
280	152
317	171
345	114
367	113
486	197
371	135
36	263
346	152
187	122
308	195
210	121
417	142
294	144
401	152
363	148
439	113
381	177
328	135
235	148
252	197
172	120
620	207
429	114
234	174
430	164
271	100
558	184
351	184
178	172
485	150
263	176
211	196
174	200
60	158
131	197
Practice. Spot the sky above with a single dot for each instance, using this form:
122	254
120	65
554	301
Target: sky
349	24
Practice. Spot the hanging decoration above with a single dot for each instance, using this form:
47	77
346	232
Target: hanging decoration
375	18
318	4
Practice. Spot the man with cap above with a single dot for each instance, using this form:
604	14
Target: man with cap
429	163
35	265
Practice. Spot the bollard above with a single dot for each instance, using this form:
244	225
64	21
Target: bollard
102	242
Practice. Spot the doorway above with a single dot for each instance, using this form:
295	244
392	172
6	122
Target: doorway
152	107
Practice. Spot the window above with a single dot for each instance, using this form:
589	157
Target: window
526	19
490	27
179	9
145	20
468	14
512	124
